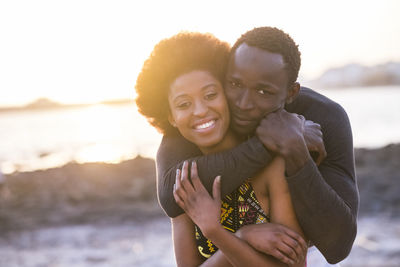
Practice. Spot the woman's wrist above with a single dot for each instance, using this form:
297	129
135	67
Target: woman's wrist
211	231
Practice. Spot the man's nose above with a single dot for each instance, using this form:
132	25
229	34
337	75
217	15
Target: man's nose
244	101
200	109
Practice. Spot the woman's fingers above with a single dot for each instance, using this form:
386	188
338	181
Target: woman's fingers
195	177
294	248
294	253
185	183
297	238
179	191
177	179
178	199
198	185
282	257
217	188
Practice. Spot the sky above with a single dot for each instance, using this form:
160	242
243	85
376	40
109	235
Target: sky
87	51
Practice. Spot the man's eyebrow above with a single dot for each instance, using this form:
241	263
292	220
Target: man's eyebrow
232	77
267	84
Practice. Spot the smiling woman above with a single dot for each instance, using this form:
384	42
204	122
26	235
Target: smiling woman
199	109
158	72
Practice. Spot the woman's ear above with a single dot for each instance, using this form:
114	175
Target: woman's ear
293	93
171	120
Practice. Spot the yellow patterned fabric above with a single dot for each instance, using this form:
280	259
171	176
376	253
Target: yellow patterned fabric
239	208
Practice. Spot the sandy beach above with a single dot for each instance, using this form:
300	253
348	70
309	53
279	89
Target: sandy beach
107	215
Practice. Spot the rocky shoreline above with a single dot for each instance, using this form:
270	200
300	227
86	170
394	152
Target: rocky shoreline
113	193
378	180
96	193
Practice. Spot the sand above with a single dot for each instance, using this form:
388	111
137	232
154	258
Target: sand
107	215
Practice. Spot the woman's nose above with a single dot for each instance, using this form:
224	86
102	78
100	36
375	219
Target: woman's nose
200	109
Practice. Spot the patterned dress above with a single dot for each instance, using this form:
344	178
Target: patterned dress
239	208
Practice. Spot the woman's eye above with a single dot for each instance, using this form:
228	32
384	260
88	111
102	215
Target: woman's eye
210	96
183	105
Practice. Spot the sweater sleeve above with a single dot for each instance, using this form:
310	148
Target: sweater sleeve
233	165
328	218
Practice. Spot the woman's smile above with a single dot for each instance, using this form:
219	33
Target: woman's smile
205	126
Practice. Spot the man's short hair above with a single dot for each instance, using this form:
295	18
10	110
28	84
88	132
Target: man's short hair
274	40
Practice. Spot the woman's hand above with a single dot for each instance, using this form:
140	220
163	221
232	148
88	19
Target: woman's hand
193	198
275	240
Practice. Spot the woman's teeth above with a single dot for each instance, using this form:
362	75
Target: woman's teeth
205	125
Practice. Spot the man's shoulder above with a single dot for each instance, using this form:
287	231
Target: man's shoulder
308	96
309	102
319	108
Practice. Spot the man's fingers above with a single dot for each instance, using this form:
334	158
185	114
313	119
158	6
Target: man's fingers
217	188
301	117
322	154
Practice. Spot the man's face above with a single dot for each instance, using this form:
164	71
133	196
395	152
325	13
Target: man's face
256	84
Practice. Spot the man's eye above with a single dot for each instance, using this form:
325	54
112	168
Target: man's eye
235	84
263	92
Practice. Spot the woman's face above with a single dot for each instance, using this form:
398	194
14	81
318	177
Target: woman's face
198	108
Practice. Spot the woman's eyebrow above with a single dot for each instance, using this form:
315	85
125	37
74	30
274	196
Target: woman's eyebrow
176	98
208	85
212	84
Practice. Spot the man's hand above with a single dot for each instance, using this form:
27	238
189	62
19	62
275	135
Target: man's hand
314	141
282	132
275	240
279	130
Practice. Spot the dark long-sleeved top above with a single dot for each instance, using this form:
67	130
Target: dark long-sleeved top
325	198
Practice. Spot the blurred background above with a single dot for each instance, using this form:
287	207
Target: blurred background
77	180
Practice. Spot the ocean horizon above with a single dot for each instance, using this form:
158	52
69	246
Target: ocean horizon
40	139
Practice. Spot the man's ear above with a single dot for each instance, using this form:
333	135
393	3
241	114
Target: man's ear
171	120
293	93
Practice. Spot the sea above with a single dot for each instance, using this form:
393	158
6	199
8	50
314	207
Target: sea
40	139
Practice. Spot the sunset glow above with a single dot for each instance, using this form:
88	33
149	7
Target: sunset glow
89	51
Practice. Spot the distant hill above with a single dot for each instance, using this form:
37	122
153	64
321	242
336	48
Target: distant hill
356	75
45	103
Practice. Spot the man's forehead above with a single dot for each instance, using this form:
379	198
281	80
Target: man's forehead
246	56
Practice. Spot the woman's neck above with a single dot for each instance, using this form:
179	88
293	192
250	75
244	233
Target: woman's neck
229	141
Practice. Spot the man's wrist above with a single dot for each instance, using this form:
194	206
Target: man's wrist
296	157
